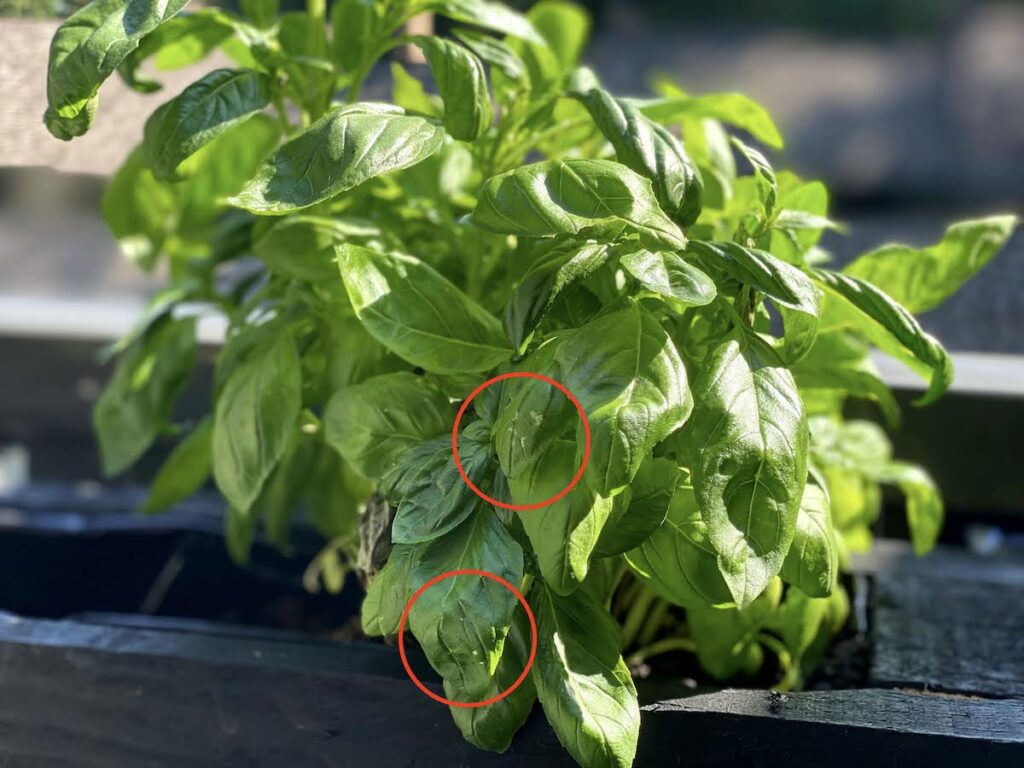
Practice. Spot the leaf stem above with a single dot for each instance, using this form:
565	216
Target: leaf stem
636	615
665	645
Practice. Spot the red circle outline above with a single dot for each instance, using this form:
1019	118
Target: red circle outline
405	617
586	440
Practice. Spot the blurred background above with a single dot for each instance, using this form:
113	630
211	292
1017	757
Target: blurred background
911	111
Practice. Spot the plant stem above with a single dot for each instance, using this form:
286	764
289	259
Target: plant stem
654	620
665	645
317	11
636	615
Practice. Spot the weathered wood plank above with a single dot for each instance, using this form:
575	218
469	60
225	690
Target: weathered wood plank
75	694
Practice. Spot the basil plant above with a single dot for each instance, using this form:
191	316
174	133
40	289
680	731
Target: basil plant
377	262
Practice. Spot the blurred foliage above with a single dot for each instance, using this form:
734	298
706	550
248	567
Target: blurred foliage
39	9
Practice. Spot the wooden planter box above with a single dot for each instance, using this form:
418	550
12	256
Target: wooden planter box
945	681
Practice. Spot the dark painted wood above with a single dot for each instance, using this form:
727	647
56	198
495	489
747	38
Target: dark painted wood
166	694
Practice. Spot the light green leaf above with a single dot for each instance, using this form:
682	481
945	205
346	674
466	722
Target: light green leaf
492	727
812	563
669	275
925	510
357	27
373	423
419	315
859	305
136	403
677	561
203	111
767	185
651	491
565	28
338	152
746	447
494	16
255	418
184	472
562	264
646	147
461	622
565	533
408	93
86	50
630	380
921	279
596	199
727	637
582	682
177	43
732	108
462	84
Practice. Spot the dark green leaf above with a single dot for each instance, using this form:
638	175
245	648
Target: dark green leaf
582	682
389	592
202	112
373	423
461	622
255	418
746	447
921	279
86	50
184	472
302	246
341	150
492	727
631	524
357	26
462	84
136	403
596	199
418	315
564	263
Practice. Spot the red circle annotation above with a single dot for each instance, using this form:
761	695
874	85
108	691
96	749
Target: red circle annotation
405	618
586	440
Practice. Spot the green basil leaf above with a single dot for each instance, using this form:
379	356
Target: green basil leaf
628	376
408	93
646	147
418	314
732	108
812	563
353	355
184	472
582	682
746	447
532	414
785	284
262	12
492	727
357	27
767	184
596	199
561	265
462	84
239	534
840	362
925	510
677	561
430	494
202	112
564	28
494	16
461	622
670	276
389	593
302	246
651	493
859	305
921	279
494	52
565	533
727	637
338	152
799	620
373	423
136	403
85	51
254	420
